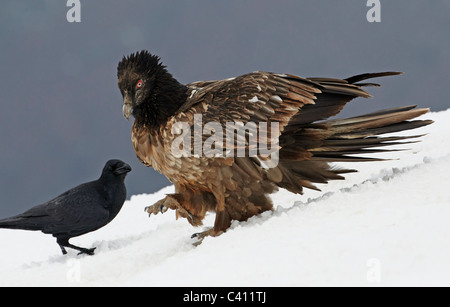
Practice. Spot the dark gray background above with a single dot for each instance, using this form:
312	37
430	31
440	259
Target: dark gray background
61	112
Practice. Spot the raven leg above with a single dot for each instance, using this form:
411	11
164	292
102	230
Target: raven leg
63	249
63	242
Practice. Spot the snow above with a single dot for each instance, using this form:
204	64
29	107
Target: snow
386	225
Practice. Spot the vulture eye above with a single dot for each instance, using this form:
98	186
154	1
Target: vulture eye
139	84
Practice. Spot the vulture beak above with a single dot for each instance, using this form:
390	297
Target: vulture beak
127	108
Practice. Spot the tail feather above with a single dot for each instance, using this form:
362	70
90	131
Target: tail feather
384	130
388	121
375	120
307	151
359	135
386	111
18	222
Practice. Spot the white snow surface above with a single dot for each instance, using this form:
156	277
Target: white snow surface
387	225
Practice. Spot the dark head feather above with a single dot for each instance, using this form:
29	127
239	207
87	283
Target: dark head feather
160	96
141	62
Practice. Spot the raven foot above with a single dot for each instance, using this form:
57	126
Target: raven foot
87	251
65	243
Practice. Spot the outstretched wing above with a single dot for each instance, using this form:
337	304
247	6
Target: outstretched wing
261	97
264	96
298	105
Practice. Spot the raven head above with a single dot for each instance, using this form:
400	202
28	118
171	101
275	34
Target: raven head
116	167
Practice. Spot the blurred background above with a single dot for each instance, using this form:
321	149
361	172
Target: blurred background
61	111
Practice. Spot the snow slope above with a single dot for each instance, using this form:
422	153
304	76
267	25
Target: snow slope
387	225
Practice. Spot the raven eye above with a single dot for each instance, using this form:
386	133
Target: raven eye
139	84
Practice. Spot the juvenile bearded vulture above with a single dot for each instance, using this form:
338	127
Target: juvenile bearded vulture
191	134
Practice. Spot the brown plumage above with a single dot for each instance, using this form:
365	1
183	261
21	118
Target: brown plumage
237	187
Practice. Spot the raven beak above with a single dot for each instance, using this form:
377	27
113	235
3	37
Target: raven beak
127	108
125	168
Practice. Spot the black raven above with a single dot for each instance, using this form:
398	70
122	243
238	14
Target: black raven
78	211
